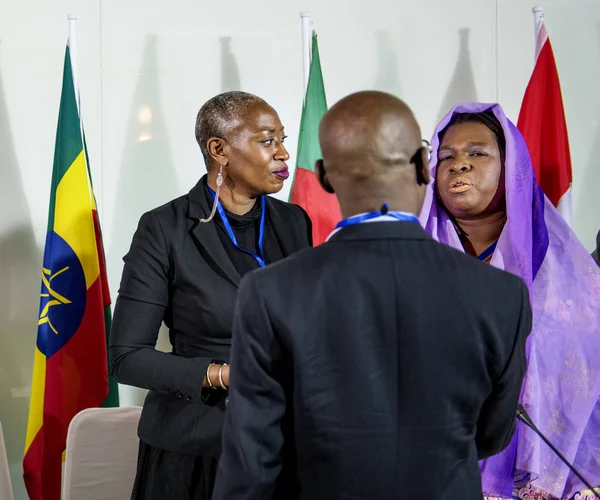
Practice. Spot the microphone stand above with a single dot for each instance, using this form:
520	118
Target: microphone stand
524	417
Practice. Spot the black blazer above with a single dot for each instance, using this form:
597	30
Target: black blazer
177	271
380	365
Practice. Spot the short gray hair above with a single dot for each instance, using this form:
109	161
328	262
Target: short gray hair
219	116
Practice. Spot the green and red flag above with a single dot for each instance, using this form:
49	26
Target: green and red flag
322	207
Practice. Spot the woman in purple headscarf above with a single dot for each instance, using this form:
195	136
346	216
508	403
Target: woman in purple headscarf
485	201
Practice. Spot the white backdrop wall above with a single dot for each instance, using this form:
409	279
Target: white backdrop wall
146	66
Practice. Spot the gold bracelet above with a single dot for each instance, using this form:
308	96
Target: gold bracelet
223	386
210	384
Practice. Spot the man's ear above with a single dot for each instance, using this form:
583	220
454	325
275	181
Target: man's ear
216	150
322	176
421	162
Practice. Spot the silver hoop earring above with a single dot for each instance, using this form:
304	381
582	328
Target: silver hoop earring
216	203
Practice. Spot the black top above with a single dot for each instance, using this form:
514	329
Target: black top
186	274
246	229
379	365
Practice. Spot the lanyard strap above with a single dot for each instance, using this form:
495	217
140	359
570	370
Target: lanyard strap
357	219
260	257
488	251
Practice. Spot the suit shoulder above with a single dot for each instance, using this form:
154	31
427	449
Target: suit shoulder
487	276
166	210
167	213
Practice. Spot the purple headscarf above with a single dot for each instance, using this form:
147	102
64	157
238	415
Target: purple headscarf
562	385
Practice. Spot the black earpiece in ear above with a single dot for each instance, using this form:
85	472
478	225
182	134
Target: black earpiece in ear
421	162
322	177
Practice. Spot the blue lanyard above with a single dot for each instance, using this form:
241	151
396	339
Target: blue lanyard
260	257
488	251
357	219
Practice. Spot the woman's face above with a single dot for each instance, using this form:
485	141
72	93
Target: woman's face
470	171
256	156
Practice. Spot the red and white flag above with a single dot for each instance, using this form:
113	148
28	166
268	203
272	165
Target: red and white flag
542	123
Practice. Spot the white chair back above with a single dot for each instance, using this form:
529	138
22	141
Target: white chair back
101	454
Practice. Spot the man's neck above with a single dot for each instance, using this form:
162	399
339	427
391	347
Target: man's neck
358	205
480	233
233	200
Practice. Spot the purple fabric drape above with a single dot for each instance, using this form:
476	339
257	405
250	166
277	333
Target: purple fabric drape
562	384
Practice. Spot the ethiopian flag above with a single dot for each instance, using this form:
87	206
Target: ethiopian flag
70	369
322	207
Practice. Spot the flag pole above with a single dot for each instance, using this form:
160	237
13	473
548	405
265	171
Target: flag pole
306	46
538	19
72	49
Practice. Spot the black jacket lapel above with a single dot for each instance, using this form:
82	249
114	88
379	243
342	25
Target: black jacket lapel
289	240
206	237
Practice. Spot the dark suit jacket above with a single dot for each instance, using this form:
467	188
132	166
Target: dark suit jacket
380	365
178	271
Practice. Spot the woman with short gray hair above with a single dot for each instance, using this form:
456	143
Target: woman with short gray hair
184	267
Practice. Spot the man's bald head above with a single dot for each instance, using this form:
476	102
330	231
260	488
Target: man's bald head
374	129
371	145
